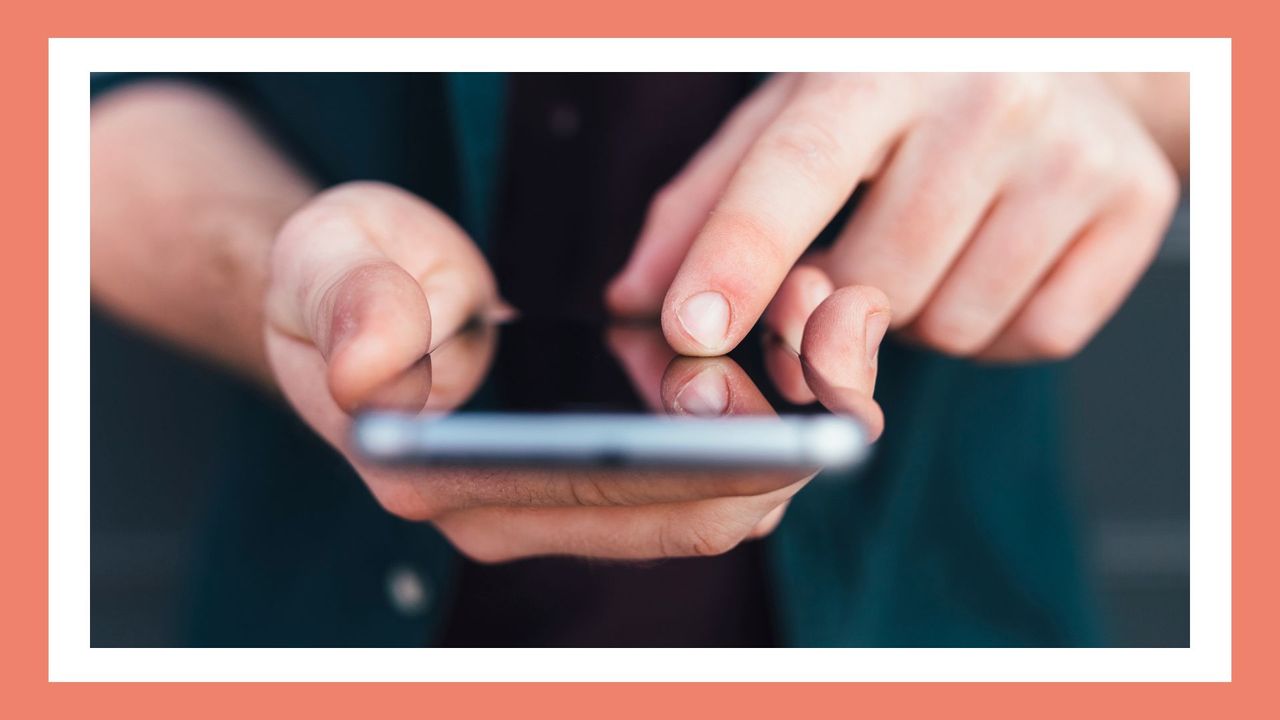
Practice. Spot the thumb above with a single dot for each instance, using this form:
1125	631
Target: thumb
372	277
331	287
371	325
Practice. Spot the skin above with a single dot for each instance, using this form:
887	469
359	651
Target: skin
204	235
1007	216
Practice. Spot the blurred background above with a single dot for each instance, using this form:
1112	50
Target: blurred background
1128	439
1128	411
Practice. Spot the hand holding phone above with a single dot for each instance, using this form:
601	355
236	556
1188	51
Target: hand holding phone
497	511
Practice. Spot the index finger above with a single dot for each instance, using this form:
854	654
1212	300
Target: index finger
792	182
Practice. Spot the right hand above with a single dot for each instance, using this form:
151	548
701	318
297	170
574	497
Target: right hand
367	279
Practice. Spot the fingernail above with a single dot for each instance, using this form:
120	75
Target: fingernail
705	318
706	394
877	325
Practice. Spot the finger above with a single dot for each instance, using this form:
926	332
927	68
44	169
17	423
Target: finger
460	366
419	494
680	209
935	191
366	316
407	392
703	528
804	289
711	387
447	377
840	353
719	386
793	180
1026	232
769	522
786	372
373	278
431	248
1091	280
300	371
443	379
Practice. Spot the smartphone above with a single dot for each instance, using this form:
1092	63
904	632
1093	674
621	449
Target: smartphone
549	392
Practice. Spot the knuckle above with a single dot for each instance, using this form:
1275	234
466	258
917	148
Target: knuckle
1010	97
1074	162
810	146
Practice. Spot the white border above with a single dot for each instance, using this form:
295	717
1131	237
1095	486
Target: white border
71	658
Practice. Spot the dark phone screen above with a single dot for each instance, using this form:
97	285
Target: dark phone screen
553	364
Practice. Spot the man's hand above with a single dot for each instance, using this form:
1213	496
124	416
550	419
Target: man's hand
366	279
197	219
1007	218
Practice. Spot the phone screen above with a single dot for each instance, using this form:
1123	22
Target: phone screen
550	365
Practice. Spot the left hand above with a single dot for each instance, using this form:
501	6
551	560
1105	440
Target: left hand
1008	217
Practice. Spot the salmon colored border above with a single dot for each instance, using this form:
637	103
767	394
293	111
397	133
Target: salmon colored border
23	307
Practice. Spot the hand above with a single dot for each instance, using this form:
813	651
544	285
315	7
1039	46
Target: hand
1007	217
363	280
498	515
